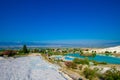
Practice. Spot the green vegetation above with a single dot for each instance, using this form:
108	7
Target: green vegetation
8	53
99	63
86	61
114	51
71	65
93	54
88	54
15	52
51	51
81	61
112	74
90	73
25	50
107	53
35	50
81	52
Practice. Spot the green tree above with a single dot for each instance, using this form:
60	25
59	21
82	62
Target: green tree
93	54
25	50
81	52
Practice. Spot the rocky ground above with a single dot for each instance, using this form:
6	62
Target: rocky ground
28	68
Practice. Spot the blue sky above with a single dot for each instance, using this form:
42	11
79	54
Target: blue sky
54	20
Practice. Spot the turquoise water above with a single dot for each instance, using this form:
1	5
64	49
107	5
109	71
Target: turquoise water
68	58
107	59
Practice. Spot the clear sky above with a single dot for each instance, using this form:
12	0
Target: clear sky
44	20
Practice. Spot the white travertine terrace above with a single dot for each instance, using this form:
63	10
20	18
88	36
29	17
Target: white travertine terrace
28	68
110	49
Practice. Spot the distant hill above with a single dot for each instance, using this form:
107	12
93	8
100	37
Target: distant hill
91	44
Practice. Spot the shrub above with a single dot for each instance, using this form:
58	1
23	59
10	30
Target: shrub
70	65
90	73
93	55
81	61
114	51
9	53
77	60
1	54
104	63
96	63
112	74
107	52
81	52
35	50
20	51
80	67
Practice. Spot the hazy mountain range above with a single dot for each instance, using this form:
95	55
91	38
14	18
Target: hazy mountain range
61	44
